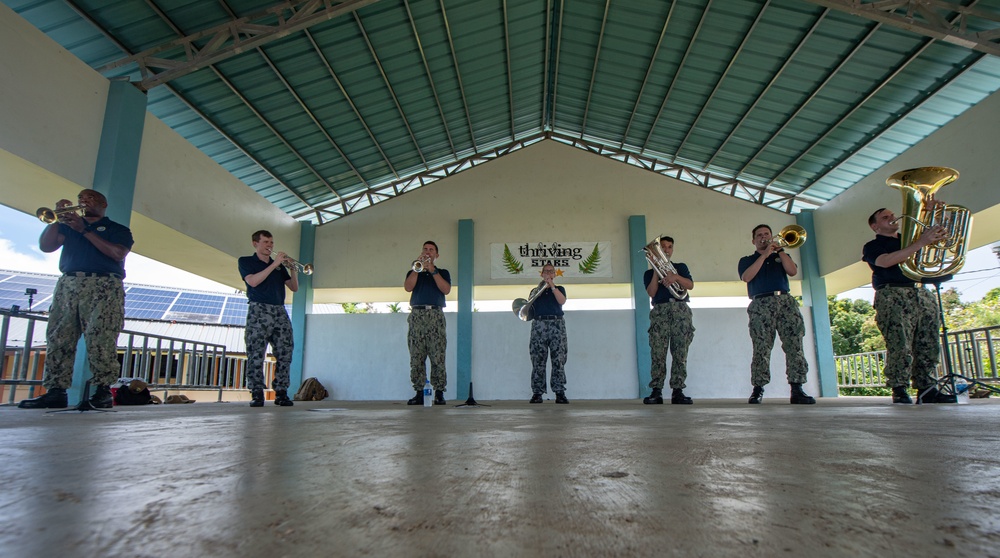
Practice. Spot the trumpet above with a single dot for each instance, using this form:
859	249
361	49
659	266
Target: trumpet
50	216
523	308
418	264
791	236
304	269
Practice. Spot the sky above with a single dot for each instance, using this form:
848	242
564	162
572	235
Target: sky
19	234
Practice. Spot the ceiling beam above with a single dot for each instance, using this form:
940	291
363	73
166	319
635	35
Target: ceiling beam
458	74
430	81
173	59
593	71
649	70
929	18
510	75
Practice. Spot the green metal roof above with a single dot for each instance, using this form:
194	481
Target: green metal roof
326	108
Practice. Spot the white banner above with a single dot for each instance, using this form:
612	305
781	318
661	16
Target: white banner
512	260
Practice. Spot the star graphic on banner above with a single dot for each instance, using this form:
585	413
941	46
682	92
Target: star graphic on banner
559	272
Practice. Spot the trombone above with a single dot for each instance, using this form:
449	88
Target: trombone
50	216
304	269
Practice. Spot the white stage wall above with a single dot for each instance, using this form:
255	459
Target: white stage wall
365	357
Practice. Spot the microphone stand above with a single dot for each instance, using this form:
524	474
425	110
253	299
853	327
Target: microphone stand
471	401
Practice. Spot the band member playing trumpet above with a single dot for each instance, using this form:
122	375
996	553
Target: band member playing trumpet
427	337
771	311
266	277
89	299
905	313
548	337
670	327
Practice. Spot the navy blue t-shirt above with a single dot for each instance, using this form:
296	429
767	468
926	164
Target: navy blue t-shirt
546	303
79	254
771	277
272	289
663	293
890	275
425	292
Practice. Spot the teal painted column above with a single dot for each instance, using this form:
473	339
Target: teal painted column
640	300
301	305
466	277
814	296
114	176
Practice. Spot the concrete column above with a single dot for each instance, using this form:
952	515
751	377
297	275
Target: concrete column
640	300
301	305
814	296
114	176
466	275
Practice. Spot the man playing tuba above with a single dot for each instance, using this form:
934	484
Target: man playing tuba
905	312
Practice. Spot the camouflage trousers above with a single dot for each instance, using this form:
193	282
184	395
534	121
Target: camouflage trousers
427	338
670	329
95	308
268	323
909	323
776	314
548	339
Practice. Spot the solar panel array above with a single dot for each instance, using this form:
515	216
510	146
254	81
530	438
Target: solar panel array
142	302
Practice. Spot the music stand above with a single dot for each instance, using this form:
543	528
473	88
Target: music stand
471	401
84	404
946	383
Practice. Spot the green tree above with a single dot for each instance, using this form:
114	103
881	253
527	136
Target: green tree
354	308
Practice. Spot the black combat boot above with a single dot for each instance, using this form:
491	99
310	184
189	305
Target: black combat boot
281	398
55	398
757	396
417	399
655	398
536	398
102	398
439	397
900	396
257	398
678	398
799	397
561	397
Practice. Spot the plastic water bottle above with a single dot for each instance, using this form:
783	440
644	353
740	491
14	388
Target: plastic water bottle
962	392
428	394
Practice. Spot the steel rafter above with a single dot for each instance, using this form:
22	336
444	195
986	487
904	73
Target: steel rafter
857	106
722	78
545	71
649	70
928	18
510	75
371	196
767	88
555	68
430	80
458	75
593	72
107	34
680	67
183	55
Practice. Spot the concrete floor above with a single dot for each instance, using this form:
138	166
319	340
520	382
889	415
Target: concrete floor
846	477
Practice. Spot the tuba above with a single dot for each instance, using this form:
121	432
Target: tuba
661	264
947	255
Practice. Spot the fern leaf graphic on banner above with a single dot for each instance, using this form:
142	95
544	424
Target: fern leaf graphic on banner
589	265
510	262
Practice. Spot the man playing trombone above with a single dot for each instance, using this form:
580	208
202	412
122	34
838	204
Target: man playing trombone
89	299
427	285
771	311
266	275
548	337
670	325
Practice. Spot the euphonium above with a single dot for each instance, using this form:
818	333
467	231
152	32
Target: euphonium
662	266
947	255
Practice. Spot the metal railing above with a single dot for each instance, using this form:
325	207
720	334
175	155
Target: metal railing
165	363
973	354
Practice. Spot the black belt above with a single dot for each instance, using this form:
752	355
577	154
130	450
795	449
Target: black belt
424	307
668	301
89	274
899	286
548	317
770	293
